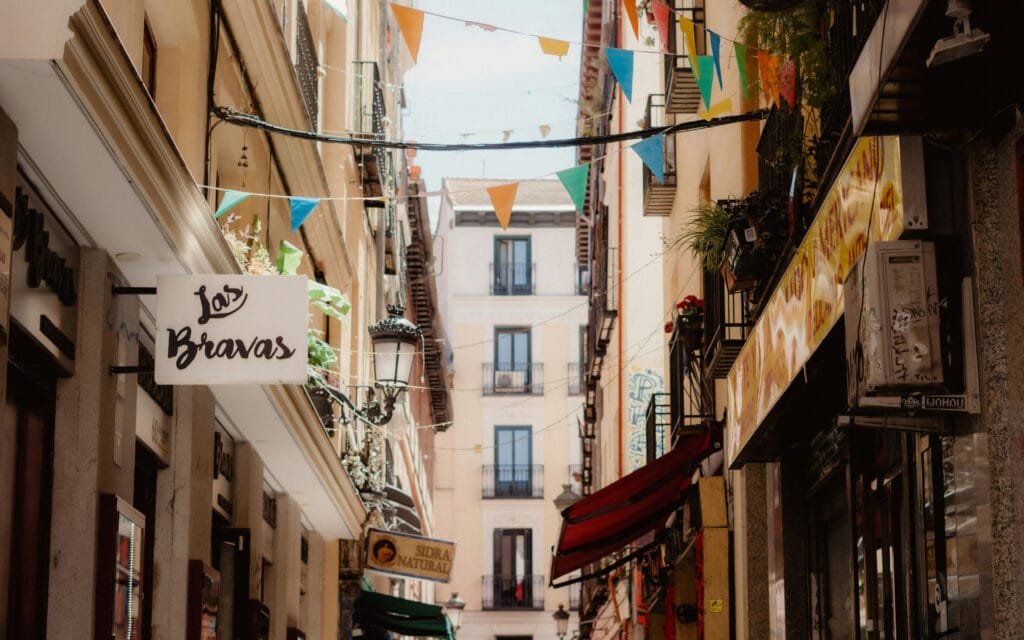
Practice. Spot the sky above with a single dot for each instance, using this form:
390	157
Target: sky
471	81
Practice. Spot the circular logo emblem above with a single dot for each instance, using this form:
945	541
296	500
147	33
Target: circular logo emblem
384	551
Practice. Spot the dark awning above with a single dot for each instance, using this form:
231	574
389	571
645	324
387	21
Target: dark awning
406	617
628	508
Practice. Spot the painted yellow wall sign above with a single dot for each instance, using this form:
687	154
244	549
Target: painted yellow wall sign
407	555
808	301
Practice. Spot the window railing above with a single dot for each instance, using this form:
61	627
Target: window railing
659	196
513	278
368	112
306	65
682	93
513	592
513	378
513	481
582	280
659	422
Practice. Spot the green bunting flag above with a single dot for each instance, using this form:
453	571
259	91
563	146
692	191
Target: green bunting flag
575	182
741	65
300	210
705	76
289	257
230	200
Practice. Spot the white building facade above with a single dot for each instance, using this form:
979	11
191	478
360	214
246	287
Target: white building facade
514	304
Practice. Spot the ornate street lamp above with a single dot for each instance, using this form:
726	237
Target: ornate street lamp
566	499
453	607
561	621
395	341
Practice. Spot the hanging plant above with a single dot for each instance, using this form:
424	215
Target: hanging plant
705	234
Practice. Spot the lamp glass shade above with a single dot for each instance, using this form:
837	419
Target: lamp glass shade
453	607
392	361
561	621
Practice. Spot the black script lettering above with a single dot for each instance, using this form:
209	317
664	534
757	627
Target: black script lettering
44	265
286	351
220	305
181	340
184	350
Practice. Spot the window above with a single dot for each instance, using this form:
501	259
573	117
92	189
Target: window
513	455
512	582
512	365
512	271
148	70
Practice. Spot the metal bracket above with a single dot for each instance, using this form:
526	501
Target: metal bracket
129	369
133	291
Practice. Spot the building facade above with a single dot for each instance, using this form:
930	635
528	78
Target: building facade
514	305
852	358
192	511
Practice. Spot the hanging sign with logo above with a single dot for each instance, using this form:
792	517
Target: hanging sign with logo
407	555
231	329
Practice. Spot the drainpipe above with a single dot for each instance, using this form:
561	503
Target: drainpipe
620	294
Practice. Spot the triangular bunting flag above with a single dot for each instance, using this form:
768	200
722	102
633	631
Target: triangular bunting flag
300	210
503	197
661	12
652	152
339	7
720	108
621	63
787	83
289	257
630	6
545	130
705	78
691	41
553	47
410	23
716	43
230	200
575	182
741	65
768	71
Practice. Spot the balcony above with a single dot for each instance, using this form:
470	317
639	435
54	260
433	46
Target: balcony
575	379
659	422
513	481
582	279
513	278
691	399
726	325
659	196
524	593
368	124
513	378
306	65
682	92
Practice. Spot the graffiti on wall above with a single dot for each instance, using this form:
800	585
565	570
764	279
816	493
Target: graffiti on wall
641	385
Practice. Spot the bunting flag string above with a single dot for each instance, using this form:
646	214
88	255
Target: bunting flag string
410	23
690	38
652	153
554	47
621	63
661	21
741	66
705	72
575	182
630	6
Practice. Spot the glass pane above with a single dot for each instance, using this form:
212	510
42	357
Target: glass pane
521	251
521	448
504	351
504	451
521	350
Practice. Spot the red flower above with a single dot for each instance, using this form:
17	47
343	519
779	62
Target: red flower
669	326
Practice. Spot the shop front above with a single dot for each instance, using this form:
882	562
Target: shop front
857	388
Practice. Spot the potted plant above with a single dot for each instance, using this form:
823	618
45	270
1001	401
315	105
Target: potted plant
756	235
690	316
704	235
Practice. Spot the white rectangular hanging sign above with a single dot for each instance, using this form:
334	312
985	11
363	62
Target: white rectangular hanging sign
231	329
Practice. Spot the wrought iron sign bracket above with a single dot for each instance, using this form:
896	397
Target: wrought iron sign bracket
133	291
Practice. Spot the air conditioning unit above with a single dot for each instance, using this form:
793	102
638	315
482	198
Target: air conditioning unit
509	380
892	321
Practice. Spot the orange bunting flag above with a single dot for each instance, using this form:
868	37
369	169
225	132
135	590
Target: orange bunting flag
689	36
553	46
410	23
503	197
630	6
768	70
720	108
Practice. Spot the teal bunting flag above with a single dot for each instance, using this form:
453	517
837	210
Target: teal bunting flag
706	75
716	43
652	152
621	63
230	200
575	182
300	210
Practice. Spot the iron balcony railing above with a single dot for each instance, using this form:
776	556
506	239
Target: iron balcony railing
513	481
682	92
513	378
575	376
659	196
659	422
691	401
513	278
513	592
306	65
726	325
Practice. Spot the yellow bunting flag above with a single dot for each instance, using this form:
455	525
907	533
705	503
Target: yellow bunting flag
410	22
553	46
720	108
503	197
691	42
630	6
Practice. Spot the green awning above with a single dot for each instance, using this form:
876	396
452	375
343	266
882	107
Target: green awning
405	617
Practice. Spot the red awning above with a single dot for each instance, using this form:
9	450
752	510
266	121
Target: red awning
628	508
